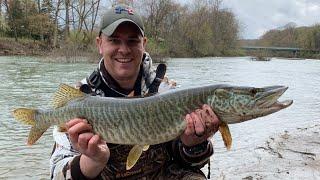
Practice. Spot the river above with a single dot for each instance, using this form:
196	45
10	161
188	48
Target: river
29	82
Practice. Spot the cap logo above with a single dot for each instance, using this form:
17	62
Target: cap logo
119	10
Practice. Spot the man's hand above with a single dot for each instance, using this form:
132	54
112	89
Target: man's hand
201	124
94	151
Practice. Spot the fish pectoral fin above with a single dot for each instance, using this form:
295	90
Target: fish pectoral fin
65	94
134	155
27	116
226	135
145	148
35	133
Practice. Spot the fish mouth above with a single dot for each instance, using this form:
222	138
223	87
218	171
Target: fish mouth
282	104
269	96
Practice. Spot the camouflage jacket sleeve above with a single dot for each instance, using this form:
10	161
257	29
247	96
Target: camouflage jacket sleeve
62	156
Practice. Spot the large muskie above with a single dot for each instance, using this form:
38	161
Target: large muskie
153	119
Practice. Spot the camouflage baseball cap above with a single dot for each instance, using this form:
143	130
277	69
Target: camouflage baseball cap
118	14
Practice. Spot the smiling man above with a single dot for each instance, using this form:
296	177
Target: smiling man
125	70
122	52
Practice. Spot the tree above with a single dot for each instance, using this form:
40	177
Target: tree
200	28
316	37
30	10
56	7
85	14
207	30
174	33
40	27
0	8
15	17
46	7
67	19
303	37
198	31
157	12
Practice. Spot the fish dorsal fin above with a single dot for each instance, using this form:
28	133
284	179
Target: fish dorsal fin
131	95
134	155
65	94
226	135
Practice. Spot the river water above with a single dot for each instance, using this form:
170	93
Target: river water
28	82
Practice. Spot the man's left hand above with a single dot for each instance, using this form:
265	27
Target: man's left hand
201	124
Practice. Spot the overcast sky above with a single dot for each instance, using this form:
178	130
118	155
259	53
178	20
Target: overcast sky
258	16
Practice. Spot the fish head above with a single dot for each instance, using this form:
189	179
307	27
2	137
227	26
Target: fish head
239	104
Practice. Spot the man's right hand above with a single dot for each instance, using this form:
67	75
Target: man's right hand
94	151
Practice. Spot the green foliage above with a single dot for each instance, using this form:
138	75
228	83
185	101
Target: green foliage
79	45
315	33
3	27
158	47
15	18
198	33
82	38
19	14
40	26
302	37
201	28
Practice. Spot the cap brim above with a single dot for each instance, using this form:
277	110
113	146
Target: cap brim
109	30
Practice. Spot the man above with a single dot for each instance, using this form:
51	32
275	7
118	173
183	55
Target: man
125	70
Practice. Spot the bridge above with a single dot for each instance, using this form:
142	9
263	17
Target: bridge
294	51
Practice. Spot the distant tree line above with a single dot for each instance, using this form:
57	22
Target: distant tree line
301	37
201	28
53	21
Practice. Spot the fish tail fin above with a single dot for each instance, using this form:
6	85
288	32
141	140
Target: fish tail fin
24	115
226	135
27	116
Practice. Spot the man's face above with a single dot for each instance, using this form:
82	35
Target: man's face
122	51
